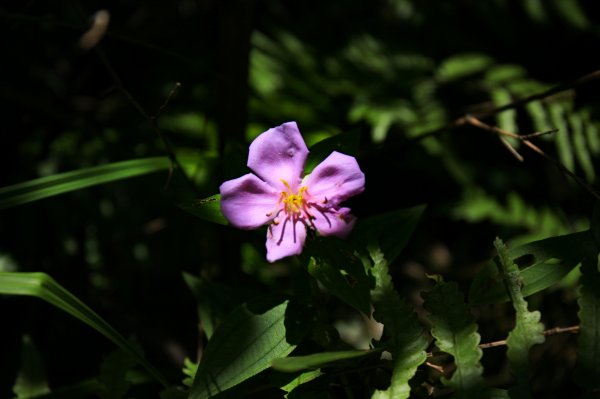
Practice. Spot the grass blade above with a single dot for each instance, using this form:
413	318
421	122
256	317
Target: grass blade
60	183
317	360
42	286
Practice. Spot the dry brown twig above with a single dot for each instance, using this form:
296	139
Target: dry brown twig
475	122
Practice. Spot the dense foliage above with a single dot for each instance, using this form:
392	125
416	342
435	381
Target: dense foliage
121	278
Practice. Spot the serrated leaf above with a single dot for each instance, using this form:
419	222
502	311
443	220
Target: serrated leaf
402	331
587	368
552	259
455	331
31	379
347	143
563	142
335	265
42	286
208	209
582	152
528	330
242	346
391	230
507	120
317	360
60	183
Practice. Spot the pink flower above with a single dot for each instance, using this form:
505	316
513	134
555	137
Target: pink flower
277	196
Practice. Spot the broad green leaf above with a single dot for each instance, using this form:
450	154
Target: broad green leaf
552	259
587	369
242	346
31	380
208	209
335	265
317	360
455	331
391	230
402	331
42	286
347	143
528	330
60	183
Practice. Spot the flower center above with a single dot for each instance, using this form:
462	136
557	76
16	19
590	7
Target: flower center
294	203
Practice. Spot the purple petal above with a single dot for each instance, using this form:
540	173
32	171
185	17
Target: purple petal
331	222
248	202
285	239
335	179
279	153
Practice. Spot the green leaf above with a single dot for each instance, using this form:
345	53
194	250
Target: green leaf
208	209
215	301
42	286
391	229
335	265
31	380
402	330
60	183
587	368
582	150
113	372
507	120
317	360
347	143
301	379
563	142
552	259
528	330
455	331
242	346
463	65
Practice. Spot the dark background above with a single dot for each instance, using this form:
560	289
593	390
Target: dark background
245	66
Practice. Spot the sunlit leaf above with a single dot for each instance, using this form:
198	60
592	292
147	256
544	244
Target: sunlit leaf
242	346
317	360
402	331
455	331
42	286
528	330
551	260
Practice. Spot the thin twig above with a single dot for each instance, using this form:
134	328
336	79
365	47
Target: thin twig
471	120
151	119
502	342
515	104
